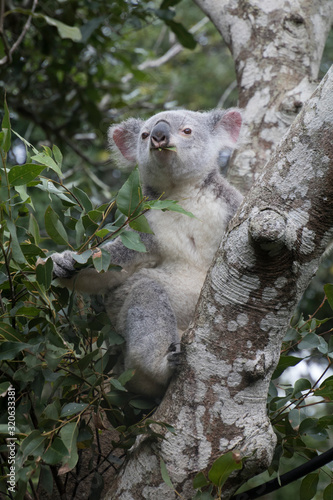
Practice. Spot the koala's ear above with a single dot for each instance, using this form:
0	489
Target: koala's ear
123	138
229	123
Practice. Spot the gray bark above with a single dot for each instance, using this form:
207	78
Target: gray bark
217	402
277	47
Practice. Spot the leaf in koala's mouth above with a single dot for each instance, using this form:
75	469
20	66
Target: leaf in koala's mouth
171	148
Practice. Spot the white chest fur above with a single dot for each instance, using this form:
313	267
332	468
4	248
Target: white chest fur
186	240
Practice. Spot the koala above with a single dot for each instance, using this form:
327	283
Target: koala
152	300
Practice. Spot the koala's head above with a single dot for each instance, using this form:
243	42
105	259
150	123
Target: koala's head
175	147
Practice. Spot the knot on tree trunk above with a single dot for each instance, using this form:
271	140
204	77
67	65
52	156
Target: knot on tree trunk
267	229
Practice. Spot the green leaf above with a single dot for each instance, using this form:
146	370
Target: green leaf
142	404
69	434
33	445
132	241
284	363
54	227
222	468
46	160
326	389
126	377
328	492
311	427
6	139
6	117
200	481
117	385
64	30
294	417
16	249
8	350
56	453
203	495
169	3
25	142
31	250
130	195
23	174
46	479
308	487
86	360
83	257
29	312
171	205
291	334
4	386
301	385
72	409
141	224
184	37
165	475
44	273
328	289
310	341
10	333
57	155
102	262
83	198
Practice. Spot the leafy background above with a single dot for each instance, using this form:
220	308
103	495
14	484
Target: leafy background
81	66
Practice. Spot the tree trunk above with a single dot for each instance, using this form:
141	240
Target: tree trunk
277	47
217	402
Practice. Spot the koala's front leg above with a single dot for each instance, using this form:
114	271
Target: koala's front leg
88	280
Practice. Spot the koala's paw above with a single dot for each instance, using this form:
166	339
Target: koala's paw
175	355
63	264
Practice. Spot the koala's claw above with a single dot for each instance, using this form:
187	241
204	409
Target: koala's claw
63	265
175	356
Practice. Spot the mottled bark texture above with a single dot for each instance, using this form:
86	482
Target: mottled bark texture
277	47
266	260
217	402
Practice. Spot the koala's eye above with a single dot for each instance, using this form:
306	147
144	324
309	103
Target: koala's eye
187	131
144	135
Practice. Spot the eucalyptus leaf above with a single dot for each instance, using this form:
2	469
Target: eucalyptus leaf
222	468
20	175
130	195
54	227
72	409
309	485
69	434
65	31
44	273
132	241
47	161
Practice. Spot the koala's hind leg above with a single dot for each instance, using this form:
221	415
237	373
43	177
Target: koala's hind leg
152	338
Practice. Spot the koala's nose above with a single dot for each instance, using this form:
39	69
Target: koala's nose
160	135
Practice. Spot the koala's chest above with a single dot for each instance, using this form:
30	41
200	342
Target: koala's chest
191	241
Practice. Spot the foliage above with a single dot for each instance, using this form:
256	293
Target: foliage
66	89
79	66
301	412
218	474
56	351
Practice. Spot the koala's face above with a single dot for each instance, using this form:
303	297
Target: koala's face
176	147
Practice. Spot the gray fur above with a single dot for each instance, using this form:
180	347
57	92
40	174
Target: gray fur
152	300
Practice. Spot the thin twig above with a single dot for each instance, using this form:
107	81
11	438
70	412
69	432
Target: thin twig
8	56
